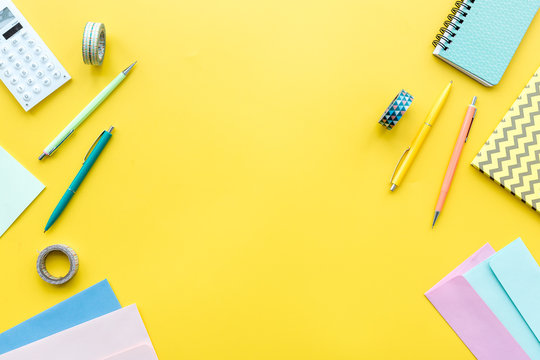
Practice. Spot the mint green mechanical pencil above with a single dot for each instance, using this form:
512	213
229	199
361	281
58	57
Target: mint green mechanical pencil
89	109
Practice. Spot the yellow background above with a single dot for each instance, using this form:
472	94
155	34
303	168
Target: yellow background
243	200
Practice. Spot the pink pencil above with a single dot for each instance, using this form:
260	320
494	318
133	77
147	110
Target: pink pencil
450	171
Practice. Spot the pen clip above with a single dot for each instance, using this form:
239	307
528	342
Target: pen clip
93	145
470	126
399	162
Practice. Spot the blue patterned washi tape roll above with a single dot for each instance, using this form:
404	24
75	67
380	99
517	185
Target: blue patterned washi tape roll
396	110
93	44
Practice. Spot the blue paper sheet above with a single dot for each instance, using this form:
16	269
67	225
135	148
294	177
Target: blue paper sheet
89	304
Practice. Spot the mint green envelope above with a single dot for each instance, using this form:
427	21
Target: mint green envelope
509	283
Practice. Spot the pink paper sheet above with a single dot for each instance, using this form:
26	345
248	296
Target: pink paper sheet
96	339
141	352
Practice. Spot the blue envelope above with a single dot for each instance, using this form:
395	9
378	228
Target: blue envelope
89	304
509	283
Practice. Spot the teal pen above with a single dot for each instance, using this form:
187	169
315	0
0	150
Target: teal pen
89	109
89	160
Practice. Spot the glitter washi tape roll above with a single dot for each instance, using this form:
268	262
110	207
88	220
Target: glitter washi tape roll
73	264
93	44
396	110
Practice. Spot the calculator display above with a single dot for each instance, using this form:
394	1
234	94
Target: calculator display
12	31
5	17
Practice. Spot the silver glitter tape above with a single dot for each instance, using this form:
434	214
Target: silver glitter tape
73	264
93	44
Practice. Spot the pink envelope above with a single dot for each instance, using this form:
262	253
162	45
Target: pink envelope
472	320
141	352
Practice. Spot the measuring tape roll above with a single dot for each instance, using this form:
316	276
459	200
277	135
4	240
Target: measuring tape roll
73	264
93	45
396	110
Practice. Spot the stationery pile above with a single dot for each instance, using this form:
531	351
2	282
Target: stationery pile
481	44
31	72
491	302
90	325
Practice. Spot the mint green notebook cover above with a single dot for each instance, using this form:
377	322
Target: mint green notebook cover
489	36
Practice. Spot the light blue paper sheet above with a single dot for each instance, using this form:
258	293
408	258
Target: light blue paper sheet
18	188
89	304
519	274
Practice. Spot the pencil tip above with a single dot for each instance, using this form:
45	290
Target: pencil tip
435	218
128	69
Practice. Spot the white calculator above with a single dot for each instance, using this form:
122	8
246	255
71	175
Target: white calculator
27	67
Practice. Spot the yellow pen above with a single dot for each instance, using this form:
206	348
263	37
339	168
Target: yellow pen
410	154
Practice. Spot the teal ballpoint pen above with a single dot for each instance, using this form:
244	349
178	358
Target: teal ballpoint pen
89	109
89	161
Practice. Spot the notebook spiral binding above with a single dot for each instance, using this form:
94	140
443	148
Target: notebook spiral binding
451	27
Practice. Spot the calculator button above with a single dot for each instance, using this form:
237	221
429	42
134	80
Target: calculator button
15	42
40	74
34	66
18	65
14	81
27	58
57	74
4	49
37	50
43	58
11	57
21	50
50	66
31	43
2	64
25	35
36	89
24	73
8	73
20	88
30	81
27	97
46	81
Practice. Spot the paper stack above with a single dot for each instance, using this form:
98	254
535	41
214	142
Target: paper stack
88	326
492	302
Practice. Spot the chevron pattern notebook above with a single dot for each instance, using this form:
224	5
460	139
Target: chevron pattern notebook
511	156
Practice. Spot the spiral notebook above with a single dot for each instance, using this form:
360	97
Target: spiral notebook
511	155
480	37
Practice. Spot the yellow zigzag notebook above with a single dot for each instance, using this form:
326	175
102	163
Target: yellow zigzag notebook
511	155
